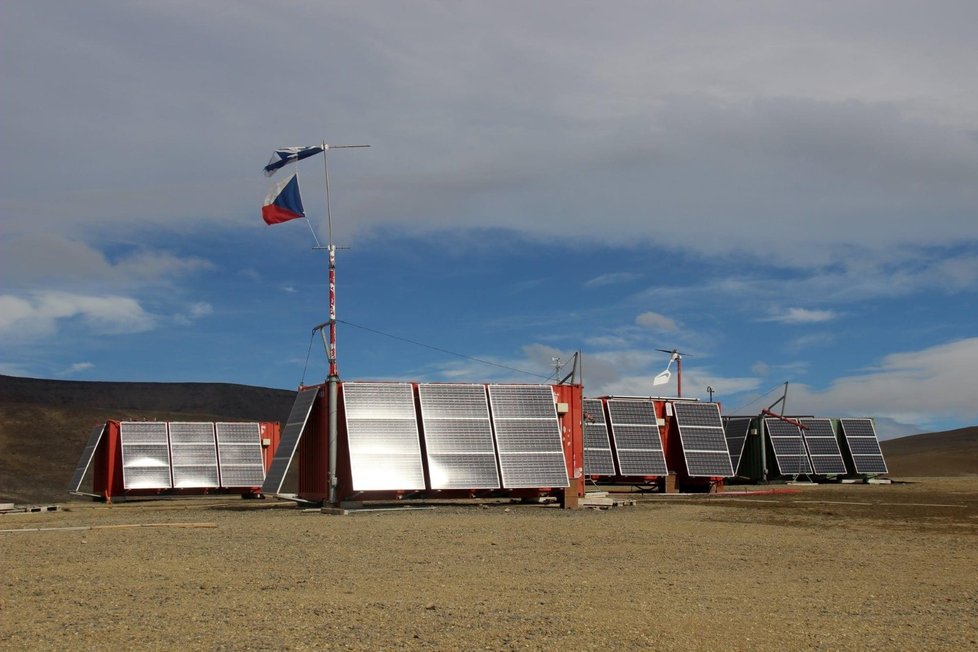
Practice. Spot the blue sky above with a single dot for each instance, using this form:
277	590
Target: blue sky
786	193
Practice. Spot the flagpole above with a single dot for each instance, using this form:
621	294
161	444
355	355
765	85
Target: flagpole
332	380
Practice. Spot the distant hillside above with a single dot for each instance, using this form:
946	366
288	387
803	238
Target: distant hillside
44	424
237	401
952	452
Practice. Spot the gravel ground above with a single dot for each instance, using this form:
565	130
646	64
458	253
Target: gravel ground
831	567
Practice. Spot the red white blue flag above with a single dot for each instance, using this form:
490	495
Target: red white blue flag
282	157
283	202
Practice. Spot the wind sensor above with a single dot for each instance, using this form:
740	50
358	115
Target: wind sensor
663	377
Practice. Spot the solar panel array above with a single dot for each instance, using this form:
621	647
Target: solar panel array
863	446
458	436
703	439
183	455
823	447
638	444
382	431
735	431
145	455
289	440
94	437
598	459
528	436
789	448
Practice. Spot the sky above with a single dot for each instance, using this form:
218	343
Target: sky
784	192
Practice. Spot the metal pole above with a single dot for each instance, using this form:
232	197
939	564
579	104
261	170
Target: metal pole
332	380
679	376
333	372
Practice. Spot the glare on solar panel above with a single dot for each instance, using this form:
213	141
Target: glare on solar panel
528	436
193	454
382	432
458	436
145	455
240	453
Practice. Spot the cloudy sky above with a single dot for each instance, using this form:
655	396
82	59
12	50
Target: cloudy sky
786	192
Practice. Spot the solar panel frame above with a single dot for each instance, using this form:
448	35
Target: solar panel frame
634	428
790	453
459	445
240	455
598	458
735	431
193	454
145	455
528	436
383	437
864	447
703	439
289	441
94	438
823	446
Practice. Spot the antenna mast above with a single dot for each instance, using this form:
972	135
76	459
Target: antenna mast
333	378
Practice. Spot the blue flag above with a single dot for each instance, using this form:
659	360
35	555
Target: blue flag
282	157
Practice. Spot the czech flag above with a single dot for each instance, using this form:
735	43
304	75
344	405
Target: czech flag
283	202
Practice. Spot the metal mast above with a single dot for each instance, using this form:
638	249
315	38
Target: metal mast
334	376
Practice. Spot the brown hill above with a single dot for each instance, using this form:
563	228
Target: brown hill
951	452
44	424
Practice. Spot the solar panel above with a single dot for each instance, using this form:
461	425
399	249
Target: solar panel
703	439
823	447
240	455
458	436
735	432
145	455
863	446
598	459
528	436
86	458
193	455
635	430
382	430
294	428
789	448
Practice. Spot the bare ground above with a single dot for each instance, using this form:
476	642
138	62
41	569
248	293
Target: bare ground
831	567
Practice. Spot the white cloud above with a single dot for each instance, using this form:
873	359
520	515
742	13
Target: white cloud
41	259
41	314
195	312
802	316
656	321
703	131
924	387
77	368
614	278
